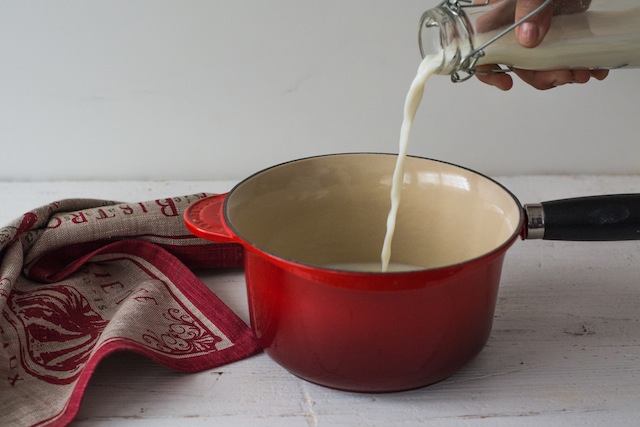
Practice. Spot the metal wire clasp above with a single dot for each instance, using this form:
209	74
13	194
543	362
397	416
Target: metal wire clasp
469	62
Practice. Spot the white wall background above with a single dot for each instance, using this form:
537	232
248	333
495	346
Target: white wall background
218	89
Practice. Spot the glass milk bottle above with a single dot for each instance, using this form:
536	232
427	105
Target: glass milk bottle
584	34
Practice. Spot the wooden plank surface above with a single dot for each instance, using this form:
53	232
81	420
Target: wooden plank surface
565	346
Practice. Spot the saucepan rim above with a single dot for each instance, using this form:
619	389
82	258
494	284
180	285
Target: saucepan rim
314	269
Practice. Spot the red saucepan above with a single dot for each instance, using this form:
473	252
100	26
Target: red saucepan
368	331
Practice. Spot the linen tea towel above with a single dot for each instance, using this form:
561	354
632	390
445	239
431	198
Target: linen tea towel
82	278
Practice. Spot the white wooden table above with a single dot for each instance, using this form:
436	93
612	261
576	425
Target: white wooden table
565	347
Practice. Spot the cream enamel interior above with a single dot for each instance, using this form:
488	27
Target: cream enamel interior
333	209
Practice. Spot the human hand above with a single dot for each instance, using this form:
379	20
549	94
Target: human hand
530	34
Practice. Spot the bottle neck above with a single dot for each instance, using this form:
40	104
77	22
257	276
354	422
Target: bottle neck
445	31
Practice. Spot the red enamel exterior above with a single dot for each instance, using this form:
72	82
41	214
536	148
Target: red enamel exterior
365	332
412	330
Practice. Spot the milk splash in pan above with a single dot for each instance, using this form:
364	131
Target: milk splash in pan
429	66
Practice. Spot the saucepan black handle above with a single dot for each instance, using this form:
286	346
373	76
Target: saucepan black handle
595	218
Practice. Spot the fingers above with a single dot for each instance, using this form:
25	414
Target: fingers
600	74
531	32
502	81
543	80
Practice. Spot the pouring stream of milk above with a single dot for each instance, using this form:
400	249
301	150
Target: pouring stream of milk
592	30
429	66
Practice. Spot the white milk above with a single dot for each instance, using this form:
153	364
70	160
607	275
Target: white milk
429	66
373	267
593	39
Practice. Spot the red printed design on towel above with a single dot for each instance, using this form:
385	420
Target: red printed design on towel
28	221
184	336
10	234
83	278
57	329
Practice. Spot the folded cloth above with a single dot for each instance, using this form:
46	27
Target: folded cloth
82	278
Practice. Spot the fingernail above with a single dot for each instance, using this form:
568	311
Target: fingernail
528	34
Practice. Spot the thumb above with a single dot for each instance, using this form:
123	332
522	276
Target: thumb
531	32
